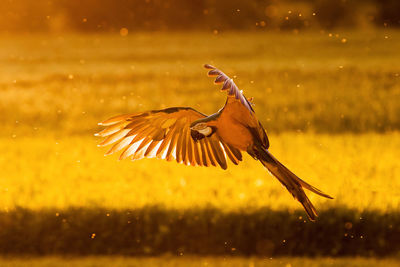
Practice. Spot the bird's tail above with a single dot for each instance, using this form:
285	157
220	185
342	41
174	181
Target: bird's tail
293	183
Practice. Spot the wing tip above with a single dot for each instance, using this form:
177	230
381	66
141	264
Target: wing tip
313	218
214	73
109	152
228	83
316	191
208	66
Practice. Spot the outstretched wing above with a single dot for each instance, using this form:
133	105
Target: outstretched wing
165	134
229	85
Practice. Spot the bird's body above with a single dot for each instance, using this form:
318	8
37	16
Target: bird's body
192	138
233	123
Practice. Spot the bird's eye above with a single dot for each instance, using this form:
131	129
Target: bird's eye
201	126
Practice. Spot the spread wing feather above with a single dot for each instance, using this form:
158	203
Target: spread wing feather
165	134
229	85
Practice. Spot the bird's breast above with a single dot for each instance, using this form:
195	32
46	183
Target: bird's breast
233	126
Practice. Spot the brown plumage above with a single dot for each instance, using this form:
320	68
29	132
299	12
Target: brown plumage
192	138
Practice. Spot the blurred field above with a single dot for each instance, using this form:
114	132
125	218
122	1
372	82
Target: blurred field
360	171
55	89
330	102
197	261
306	81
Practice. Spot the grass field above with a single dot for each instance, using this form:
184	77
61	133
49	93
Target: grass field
54	90
300	82
63	172
329	101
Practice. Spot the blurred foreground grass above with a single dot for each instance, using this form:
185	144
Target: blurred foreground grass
360	171
189	261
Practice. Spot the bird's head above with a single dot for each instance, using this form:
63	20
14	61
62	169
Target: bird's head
199	130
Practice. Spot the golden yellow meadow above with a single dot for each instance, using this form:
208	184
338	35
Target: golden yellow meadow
360	171
331	109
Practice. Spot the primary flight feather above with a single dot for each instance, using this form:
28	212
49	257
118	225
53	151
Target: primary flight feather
193	138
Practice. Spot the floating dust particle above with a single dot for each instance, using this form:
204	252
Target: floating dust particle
123	32
348	225
258	182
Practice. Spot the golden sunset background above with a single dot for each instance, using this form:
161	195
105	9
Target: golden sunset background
325	80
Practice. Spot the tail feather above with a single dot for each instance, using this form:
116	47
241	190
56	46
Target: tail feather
293	183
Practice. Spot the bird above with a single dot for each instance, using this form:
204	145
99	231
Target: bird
187	136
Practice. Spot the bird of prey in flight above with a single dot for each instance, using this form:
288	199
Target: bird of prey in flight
193	138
